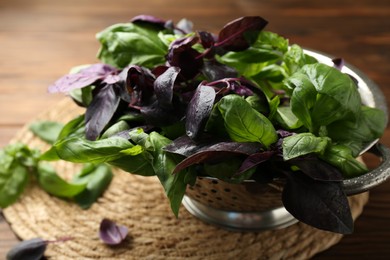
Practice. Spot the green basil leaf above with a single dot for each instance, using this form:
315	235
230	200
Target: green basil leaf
96	178
115	128
164	163
287	119
54	184
17	161
369	126
48	131
341	157
303	98
140	164
75	127
302	144
127	43
245	124
83	95
295	59
79	150
336	95
12	183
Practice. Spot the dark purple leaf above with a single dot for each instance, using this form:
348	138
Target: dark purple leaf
207	39
338	63
156	115
240	89
182	55
32	249
100	111
149	19
317	169
319	204
163	86
217	152
199	110
239	86
139	85
253	160
214	70
85	77
111	233
186	146
232	36
159	70
284	133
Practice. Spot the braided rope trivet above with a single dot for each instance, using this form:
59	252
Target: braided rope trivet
140	204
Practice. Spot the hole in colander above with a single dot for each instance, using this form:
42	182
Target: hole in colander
214	181
213	191
227	190
234	197
204	193
210	201
218	198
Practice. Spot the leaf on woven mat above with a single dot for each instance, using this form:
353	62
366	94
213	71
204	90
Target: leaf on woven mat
111	233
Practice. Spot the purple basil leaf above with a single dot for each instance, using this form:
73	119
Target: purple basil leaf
199	110
214	70
32	249
182	55
100	111
84	77
111	233
112	79
323	205
206	39
159	116
159	70
338	63
217	152
232	36
149	19
163	86
253	160
139	85
284	133
186	146
317	169
240	89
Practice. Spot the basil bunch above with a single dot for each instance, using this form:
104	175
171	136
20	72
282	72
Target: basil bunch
242	104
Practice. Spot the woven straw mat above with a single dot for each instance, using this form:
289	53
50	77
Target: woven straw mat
155	233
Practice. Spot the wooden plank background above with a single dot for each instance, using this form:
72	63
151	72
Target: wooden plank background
40	40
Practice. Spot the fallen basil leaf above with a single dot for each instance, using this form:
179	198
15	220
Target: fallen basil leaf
54	184
16	162
111	233
97	178
32	249
48	131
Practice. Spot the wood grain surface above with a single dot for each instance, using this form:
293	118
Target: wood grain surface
40	40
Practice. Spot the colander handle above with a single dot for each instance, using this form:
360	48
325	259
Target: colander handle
373	178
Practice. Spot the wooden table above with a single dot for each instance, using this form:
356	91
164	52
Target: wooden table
41	39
